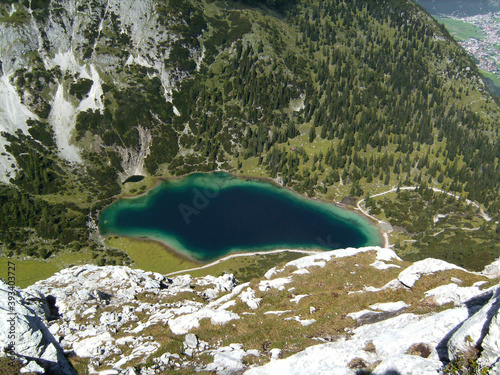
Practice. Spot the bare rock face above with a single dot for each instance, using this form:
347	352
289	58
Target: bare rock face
191	341
133	159
424	267
407	343
408	364
491	344
102	312
482	329
106	314
23	324
64	28
492	270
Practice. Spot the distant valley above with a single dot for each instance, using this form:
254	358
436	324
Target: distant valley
461	8
476	26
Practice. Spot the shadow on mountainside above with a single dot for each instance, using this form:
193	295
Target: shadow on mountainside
277	5
473	306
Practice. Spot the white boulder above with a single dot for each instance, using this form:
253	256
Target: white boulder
389	306
404	364
191	341
248	297
476	329
228	360
28	333
428	266
274	284
453	293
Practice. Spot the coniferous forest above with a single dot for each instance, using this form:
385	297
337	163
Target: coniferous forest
333	98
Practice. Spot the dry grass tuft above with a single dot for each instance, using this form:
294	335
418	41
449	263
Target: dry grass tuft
421	349
357	364
334	291
370	347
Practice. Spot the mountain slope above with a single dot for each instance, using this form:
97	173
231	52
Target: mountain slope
331	98
320	314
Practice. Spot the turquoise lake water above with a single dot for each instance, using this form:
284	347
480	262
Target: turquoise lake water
206	216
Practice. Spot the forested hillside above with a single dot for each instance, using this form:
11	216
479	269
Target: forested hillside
332	98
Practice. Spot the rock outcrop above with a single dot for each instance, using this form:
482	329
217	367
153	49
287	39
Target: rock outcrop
23	330
115	317
75	39
481	330
105	310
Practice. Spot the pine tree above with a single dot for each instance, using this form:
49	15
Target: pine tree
312	134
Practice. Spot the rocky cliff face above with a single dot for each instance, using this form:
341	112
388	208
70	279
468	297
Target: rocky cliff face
116	320
23	328
47	49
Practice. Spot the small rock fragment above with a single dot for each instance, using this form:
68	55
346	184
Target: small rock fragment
191	341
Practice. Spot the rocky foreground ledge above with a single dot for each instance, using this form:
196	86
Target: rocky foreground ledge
346	311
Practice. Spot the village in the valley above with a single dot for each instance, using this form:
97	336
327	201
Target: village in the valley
485	49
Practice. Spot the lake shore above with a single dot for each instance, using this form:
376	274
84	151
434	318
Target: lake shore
376	236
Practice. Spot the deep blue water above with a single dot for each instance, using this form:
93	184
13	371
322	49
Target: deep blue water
206	216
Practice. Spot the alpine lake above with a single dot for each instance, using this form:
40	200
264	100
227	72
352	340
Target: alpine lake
205	216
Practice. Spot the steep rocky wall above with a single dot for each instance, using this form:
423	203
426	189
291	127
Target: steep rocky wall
23	323
72	40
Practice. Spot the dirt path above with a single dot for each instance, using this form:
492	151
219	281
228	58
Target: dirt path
483	214
309	252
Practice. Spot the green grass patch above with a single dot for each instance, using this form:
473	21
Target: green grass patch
27	272
9	366
150	255
494	77
327	290
131	189
462	30
429	224
246	268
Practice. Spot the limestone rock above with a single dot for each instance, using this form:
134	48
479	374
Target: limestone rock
495	370
32	339
391	338
34	367
492	270
476	328
102	312
404	364
320	259
276	353
93	304
491	343
409	276
274	283
453	293
191	341
94	346
249	298
389	306
228	360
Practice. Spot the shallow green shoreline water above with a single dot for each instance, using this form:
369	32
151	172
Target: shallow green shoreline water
207	216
